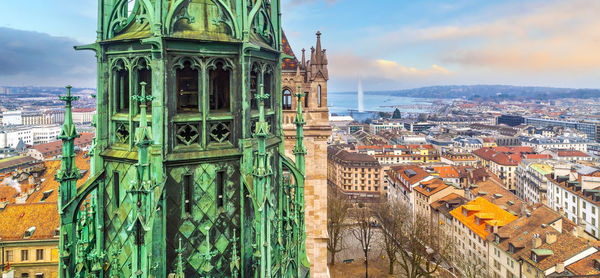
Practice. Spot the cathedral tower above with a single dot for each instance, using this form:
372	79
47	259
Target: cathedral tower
189	176
310	77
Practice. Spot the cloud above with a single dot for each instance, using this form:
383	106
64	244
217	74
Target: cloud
32	58
548	36
350	65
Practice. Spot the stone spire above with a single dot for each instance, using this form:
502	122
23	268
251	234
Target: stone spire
318	50
303	58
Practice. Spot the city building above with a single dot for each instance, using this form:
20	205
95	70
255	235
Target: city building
428	192
531	181
402	180
503	161
43	117
458	159
358	175
473	223
588	127
83	115
541	244
53	150
441	219
568	155
18	163
577	196
401	154
418	127
380	125
510	120
29	235
466	144
493	191
12	117
547	143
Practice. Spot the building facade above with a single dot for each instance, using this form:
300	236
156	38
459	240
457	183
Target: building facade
188	176
309	77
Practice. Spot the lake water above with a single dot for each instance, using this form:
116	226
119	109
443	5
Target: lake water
340	103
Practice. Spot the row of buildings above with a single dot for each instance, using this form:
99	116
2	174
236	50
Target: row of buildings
45	117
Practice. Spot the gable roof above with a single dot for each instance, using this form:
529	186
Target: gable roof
15	219
288	63
486	212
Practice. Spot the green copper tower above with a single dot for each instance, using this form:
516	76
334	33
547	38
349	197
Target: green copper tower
188	176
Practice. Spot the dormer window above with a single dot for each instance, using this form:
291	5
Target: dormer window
511	248
29	232
57	232
534	257
497	239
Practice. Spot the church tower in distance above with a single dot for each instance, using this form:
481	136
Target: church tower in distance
188	172
310	78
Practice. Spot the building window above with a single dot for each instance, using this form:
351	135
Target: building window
219	88
319	96
287	100
24	255
268	84
116	188
187	88
9	256
220	189
254	88
39	254
121	88
187	188
39	275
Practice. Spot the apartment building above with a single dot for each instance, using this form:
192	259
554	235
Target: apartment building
358	175
29	235
531	182
401	154
402	180
503	162
473	223
429	191
540	244
458	159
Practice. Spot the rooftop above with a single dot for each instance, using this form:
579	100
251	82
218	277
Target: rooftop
16	219
491	215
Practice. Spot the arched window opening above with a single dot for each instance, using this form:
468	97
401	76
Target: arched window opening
219	88
144	74
187	89
253	89
268	81
121	89
319	97
306	94
287	100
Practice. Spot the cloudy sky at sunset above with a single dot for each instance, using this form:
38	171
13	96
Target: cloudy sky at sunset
389	44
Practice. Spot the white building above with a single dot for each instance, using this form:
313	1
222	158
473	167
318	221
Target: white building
45	134
83	115
541	143
580	201
30	135
12	117
531	182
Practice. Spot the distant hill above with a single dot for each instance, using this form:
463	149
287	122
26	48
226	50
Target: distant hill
494	92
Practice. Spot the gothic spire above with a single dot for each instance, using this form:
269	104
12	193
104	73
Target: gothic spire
319	51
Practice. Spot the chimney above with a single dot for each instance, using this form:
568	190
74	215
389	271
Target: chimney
536	241
560	267
550	237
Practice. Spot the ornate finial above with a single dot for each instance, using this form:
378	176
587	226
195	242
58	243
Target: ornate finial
318	33
179	252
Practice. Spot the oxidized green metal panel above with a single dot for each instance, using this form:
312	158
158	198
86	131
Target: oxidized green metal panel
141	225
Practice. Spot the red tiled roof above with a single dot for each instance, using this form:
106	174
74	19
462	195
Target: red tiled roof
446	171
537	156
401	171
510	156
55	148
572	153
84	110
430	187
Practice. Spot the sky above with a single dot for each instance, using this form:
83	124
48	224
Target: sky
389	44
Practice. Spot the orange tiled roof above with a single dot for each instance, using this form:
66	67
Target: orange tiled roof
496	193
16	219
482	207
586	266
572	153
431	187
7	193
446	171
401	170
50	184
510	156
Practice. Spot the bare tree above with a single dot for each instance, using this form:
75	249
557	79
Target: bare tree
469	268
422	250
390	220
363	232
337	213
